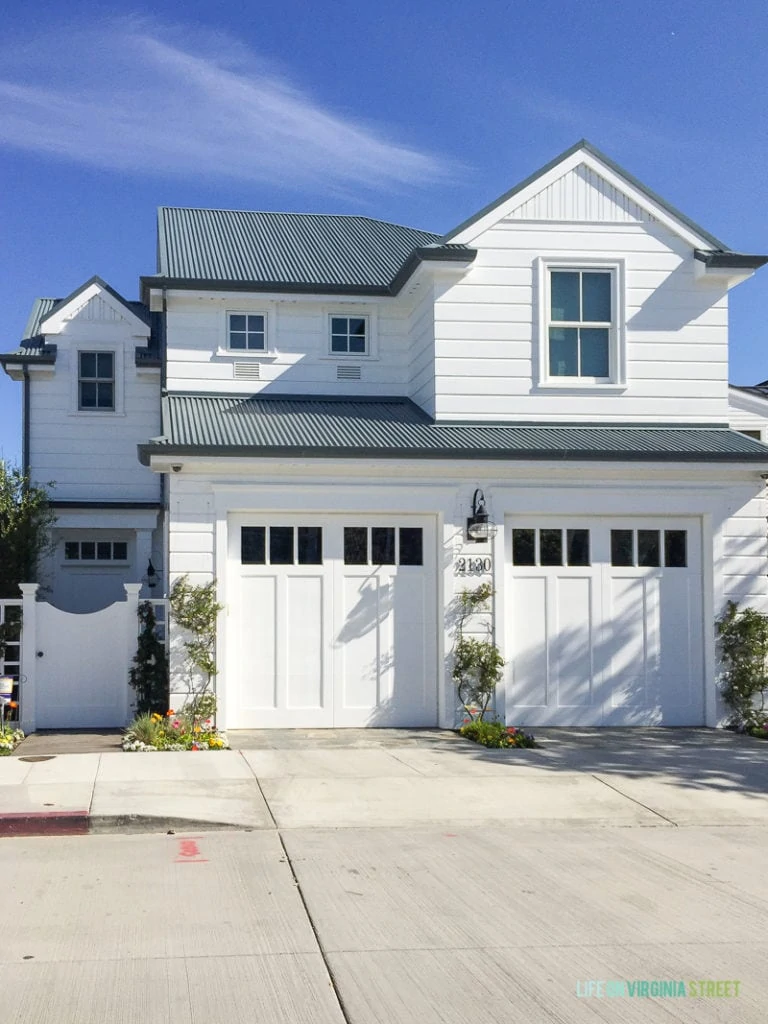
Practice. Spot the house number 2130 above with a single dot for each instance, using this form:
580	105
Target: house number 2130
467	566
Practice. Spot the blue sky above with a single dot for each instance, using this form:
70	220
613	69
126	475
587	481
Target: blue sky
413	111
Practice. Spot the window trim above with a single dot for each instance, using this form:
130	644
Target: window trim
370	315
81	562
617	332
250	353
117	380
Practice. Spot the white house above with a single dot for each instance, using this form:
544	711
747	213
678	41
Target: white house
345	400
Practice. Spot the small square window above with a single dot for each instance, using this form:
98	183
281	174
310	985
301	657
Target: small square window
349	335
120	551
551	544
310	545
578	547
355	545
281	545
383	545
524	547
88	550
96	381
411	545
104	551
622	547
247	332
253	550
71	550
676	548
648	549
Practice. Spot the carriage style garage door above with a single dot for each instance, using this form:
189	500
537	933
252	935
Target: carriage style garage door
334	622
604	622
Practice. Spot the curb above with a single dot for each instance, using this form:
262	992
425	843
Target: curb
81	823
44	823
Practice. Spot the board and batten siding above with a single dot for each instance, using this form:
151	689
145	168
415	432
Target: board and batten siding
299	359
93	456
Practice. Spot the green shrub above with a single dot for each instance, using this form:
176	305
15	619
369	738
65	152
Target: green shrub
149	674
495	734
743	641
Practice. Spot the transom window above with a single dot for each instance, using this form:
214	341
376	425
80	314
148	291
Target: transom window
650	549
96	380
550	546
281	545
383	545
581	320
95	551
349	335
247	332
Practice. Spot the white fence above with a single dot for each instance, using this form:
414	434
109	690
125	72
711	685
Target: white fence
74	668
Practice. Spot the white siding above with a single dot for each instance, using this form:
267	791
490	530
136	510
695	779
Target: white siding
299	360
421	336
486	329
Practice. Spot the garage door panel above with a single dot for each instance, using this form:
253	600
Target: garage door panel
364	608
632	638
303	610
572	661
530	668
258	642
412	676
681	655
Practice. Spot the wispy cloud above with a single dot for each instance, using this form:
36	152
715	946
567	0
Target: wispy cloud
120	96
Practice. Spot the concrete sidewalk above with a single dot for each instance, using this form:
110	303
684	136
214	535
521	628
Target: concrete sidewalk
395	779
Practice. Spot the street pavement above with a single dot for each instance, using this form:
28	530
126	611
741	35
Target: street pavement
389	879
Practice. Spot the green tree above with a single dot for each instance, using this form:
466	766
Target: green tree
477	664
743	641
149	674
26	519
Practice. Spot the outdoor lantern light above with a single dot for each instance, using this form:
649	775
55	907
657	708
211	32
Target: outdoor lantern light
477	524
151	575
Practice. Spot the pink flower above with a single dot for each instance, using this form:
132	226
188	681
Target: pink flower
176	725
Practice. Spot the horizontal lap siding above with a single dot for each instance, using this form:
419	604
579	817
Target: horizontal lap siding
300	361
421	369
93	457
486	329
192	531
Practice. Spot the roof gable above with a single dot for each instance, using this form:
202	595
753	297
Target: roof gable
94	301
603	189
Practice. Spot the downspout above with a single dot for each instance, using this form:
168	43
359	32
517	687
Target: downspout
164	489
25	462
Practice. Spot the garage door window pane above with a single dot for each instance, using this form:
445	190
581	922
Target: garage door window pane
383	545
578	547
551	542
676	548
252	545
104	551
411	546
88	550
120	551
310	545
621	547
355	545
281	545
524	547
648	548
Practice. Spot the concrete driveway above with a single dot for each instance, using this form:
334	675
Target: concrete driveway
387	878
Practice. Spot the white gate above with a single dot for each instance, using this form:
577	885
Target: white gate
76	666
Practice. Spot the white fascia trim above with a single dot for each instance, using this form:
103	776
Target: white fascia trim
106	519
747	403
54	322
659	213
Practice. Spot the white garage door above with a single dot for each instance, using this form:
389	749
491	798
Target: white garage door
604	625
334	622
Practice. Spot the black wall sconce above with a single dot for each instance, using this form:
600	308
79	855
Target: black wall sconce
152	578
478	529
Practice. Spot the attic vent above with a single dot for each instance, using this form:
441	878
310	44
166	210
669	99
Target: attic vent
247	371
348	373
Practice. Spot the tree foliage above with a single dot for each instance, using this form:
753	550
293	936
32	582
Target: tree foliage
149	674
26	519
743	641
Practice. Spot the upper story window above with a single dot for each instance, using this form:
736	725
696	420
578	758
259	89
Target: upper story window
581	324
349	335
96	381
247	332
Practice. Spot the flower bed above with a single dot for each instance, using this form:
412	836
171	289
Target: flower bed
495	734
760	731
173	731
9	740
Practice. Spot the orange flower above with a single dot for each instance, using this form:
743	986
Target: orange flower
169	712
13	703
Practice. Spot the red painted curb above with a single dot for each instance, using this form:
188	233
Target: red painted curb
44	823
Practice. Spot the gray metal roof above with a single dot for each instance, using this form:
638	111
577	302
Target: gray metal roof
40	310
31	350
301	250
396	427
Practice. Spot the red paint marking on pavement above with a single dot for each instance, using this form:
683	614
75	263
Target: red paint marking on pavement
189	853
